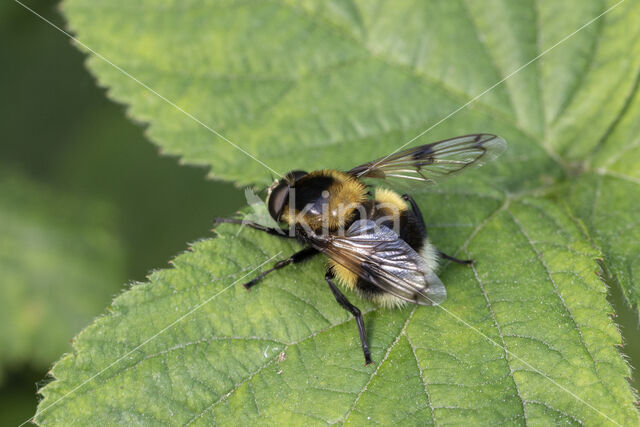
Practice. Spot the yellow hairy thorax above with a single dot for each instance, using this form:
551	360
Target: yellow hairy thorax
345	195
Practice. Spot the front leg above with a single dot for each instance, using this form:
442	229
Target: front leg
344	302
306	253
273	231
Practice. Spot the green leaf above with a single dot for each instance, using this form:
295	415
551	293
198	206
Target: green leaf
319	82
223	361
60	265
525	335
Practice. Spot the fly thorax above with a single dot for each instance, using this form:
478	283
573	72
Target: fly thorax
324	201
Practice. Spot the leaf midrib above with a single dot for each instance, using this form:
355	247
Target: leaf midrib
426	388
504	345
456	94
384	358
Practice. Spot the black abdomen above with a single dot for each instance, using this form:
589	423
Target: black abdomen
409	228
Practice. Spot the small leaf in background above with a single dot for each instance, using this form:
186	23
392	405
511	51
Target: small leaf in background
524	337
61	262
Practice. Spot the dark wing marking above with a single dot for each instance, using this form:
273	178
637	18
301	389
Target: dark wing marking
378	255
434	162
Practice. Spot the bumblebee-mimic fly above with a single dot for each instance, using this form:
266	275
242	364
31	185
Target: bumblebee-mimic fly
375	239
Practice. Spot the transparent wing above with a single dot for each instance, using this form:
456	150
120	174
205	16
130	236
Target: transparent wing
378	255
434	162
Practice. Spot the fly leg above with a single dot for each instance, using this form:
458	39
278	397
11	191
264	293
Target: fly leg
344	302
416	212
302	255
454	259
274	231
418	215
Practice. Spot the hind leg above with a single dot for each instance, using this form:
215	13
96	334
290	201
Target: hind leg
454	259
344	302
418	215
416	212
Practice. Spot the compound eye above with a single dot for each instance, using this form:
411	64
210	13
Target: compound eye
277	199
279	193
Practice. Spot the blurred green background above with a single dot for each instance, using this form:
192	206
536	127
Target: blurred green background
63	141
70	157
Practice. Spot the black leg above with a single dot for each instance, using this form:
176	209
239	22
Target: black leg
274	231
293	259
459	261
344	302
416	212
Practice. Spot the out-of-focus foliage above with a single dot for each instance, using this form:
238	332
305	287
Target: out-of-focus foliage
51	245
62	136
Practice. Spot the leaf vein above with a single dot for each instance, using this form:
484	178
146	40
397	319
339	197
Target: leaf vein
564	304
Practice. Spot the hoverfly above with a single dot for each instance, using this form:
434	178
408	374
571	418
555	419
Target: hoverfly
376	243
